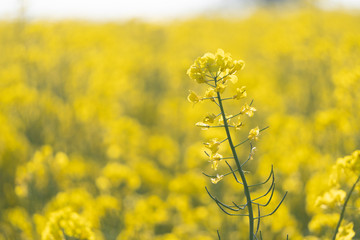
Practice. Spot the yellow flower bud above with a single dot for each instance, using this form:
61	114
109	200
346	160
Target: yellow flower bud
213	145
254	134
240	93
248	110
210	93
193	97
210	118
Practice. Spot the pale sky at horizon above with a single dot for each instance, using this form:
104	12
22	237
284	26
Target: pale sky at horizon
121	9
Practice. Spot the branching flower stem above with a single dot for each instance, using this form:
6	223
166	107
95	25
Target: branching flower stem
242	175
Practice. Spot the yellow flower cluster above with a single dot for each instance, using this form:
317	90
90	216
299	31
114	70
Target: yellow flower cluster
65	224
219	65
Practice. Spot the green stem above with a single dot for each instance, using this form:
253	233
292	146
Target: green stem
343	209
242	175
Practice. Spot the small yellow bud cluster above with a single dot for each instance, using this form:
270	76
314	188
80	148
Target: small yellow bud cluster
219	65
216	68
254	134
66	224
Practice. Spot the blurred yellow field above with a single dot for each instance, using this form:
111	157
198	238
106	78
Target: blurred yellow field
98	139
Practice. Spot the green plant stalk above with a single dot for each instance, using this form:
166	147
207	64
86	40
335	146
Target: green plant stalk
242	175
343	208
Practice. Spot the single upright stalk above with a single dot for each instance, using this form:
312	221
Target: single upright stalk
242	175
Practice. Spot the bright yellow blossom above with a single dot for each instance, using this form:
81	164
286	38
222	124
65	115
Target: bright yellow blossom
248	110
238	65
240	93
254	134
193	97
197	74
212	65
210	93
213	145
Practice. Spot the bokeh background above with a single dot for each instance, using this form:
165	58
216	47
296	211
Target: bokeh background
94	115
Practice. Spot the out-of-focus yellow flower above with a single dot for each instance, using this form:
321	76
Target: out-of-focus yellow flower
217	179
66	223
351	162
319	221
254	134
248	110
240	93
346	167
19	218
213	145
332	198
103	183
193	97
346	232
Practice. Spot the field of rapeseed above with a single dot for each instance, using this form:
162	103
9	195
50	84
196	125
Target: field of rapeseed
98	138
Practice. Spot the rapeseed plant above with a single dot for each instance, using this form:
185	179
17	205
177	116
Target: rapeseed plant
216	71
94	120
